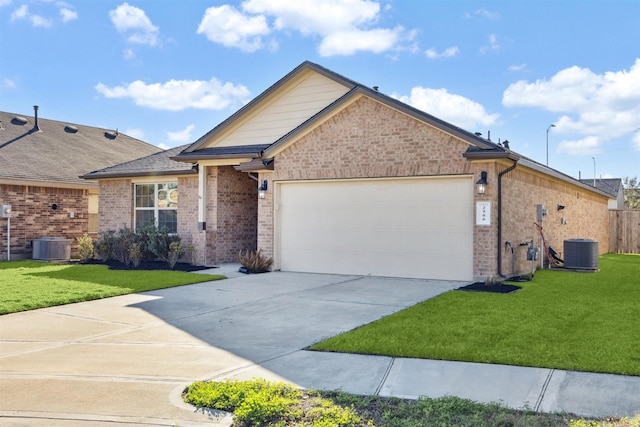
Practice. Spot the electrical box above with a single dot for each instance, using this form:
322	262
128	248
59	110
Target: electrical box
6	211
541	212
532	254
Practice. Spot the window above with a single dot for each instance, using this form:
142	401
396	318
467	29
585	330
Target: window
93	213
157	204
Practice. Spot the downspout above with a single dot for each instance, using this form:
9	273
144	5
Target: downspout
500	175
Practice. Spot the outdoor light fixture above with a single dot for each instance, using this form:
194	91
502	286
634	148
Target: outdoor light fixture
262	190
481	184
560	207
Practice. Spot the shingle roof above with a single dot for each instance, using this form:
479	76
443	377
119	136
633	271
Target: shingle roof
153	165
59	151
611	186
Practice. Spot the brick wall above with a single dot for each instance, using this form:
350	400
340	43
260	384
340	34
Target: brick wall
116	204
585	214
366	140
237	214
33	217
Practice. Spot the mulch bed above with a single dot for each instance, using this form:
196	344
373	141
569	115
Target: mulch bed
148	265
482	287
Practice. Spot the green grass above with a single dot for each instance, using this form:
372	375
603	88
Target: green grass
26	285
565	320
259	402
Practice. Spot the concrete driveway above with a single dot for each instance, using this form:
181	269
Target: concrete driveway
127	359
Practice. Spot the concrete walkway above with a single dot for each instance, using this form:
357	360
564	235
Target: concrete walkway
126	360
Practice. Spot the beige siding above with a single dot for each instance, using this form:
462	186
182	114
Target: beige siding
300	102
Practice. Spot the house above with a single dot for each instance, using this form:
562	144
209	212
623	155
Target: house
327	175
40	164
613	187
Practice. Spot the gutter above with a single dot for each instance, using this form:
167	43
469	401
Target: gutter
500	175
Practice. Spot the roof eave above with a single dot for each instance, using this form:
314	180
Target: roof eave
95	177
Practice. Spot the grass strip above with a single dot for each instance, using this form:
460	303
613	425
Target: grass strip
561	319
259	402
27	285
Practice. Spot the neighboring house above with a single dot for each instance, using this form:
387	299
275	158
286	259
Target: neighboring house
326	175
613	187
40	164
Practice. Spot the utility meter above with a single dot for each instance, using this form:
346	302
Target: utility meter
6	211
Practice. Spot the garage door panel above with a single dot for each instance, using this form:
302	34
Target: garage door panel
388	227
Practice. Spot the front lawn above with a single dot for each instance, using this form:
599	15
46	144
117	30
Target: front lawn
26	285
564	320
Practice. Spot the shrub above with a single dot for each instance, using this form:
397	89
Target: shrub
123	240
175	251
105	245
135	254
254	261
85	247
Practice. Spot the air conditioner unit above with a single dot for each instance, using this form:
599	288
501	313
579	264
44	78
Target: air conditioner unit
51	248
581	254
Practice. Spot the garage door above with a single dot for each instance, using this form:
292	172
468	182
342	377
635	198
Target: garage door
415	227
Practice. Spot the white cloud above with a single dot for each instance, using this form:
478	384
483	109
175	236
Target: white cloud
518	67
36	20
601	106
68	14
343	27
492	46
5	3
65	12
453	108
229	27
128	54
181	135
134	21
349	42
177	95
635	142
449	52
135	133
489	15
585	146
7	83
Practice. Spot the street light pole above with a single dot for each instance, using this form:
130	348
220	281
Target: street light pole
550	126
594	171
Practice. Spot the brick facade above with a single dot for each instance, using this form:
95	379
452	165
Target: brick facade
585	214
370	140
33	216
231	205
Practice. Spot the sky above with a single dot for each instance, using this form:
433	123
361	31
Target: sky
559	72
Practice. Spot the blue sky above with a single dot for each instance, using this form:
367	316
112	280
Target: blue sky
168	71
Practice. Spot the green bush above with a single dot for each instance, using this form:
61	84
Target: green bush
255	403
134	246
105	245
85	247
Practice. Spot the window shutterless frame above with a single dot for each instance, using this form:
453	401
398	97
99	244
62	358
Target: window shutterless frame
156	204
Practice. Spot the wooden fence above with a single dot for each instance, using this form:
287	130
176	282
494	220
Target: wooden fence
624	231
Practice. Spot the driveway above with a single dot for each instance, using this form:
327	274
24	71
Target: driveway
126	359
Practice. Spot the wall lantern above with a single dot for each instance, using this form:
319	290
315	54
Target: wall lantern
262	190
481	184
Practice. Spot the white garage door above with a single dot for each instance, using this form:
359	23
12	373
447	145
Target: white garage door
414	227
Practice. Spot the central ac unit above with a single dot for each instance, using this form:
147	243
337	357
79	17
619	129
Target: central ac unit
51	248
581	254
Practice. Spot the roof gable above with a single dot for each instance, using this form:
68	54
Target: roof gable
284	106
60	152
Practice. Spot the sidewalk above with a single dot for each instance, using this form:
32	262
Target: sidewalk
126	360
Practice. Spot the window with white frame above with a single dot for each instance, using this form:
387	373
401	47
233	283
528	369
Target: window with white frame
156	204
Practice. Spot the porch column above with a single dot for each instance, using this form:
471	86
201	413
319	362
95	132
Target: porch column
202	198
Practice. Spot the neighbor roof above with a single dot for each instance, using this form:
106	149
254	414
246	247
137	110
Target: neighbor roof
154	165
58	152
611	186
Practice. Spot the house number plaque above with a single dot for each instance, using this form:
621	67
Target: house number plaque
483	213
